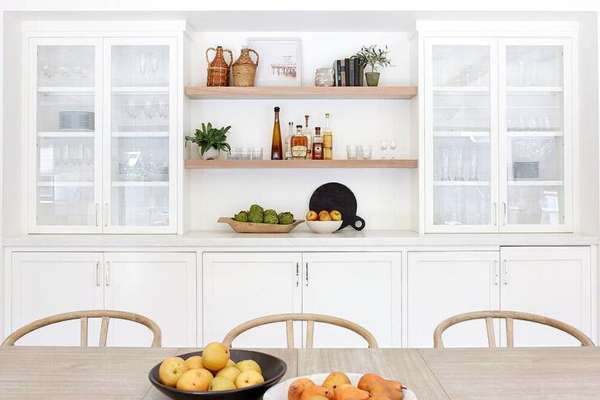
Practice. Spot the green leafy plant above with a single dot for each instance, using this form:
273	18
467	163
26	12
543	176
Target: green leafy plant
373	56
208	138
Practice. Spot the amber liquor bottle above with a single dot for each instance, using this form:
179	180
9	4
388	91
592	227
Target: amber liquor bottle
276	146
299	144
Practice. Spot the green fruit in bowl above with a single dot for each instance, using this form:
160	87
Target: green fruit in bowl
286	218
256	216
271	219
242	216
256	208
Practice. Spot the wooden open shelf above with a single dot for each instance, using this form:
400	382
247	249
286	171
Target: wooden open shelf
272	164
304	92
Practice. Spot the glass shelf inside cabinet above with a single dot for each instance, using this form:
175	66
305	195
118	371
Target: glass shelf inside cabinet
461	68
140	206
139	67
538	68
66	68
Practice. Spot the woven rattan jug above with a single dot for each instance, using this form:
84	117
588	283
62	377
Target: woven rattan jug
243	71
218	68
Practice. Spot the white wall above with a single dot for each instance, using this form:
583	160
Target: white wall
385	197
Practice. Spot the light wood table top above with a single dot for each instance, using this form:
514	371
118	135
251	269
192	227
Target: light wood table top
451	374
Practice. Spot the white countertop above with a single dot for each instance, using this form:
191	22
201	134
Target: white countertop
300	239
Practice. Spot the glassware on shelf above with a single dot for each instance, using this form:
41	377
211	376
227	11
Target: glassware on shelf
393	147
351	152
364	152
257	153
324	77
383	145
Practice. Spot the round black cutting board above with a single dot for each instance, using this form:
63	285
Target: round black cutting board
335	196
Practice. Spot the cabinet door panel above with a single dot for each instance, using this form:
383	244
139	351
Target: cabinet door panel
460	135
551	281
160	286
535	109
242	286
443	284
361	287
65	91
44	284
140	145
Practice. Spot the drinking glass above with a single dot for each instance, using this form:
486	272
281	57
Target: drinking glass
393	147
324	77
366	152
257	153
351	152
383	146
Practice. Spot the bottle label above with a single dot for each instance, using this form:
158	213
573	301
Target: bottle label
299	151
327	142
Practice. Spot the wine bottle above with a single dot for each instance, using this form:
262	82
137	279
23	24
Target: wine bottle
276	147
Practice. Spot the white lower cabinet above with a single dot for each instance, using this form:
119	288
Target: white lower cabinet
161	286
361	287
442	284
242	286
552	281
43	283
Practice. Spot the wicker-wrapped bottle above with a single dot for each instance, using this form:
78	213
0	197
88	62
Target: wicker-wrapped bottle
218	68
243	70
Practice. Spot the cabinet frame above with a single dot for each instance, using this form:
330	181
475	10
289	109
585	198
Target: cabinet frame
101	34
508	32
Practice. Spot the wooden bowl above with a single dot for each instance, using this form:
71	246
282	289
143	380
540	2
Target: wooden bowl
273	369
251	227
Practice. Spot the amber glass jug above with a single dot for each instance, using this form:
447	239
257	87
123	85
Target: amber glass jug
243	70
218	68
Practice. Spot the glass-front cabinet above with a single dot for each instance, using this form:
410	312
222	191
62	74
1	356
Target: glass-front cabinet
104	135
497	134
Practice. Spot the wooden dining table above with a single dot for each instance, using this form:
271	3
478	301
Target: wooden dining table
456	374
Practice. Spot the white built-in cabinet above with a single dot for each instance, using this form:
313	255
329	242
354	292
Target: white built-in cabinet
355	286
442	284
551	281
161	286
103	117
497	129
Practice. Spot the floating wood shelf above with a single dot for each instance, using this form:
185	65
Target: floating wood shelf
270	164
304	92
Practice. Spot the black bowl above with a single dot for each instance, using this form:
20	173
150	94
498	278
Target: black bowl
273	369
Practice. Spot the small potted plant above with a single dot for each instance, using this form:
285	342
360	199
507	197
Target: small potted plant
211	141
373	56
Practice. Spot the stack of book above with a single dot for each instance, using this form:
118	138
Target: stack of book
348	72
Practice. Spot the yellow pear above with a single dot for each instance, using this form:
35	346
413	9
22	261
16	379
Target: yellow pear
171	369
194	380
335	379
193	362
221	383
249	378
230	373
215	356
246	365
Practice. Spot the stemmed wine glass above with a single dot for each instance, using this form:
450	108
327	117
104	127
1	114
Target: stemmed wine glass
383	146
393	147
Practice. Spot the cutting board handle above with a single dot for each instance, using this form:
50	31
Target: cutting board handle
358	223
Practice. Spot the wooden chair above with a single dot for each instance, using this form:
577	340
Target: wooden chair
310	320
84	316
509	316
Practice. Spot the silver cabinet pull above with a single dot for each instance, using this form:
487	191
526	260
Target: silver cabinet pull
107	273
495	213
98	273
106	216
496	273
505	219
505	272
297	274
97	214
306	275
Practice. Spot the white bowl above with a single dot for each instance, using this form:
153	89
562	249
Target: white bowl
324	226
280	391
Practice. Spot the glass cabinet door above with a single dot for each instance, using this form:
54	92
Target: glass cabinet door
65	104
139	186
459	136
535	133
